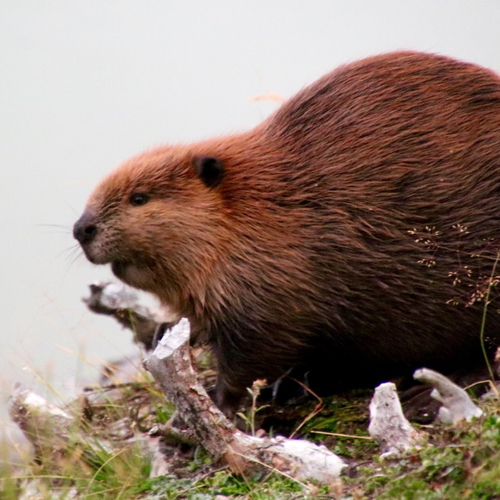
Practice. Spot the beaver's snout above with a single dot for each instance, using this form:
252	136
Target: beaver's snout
85	229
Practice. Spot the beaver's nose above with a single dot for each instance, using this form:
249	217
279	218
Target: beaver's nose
85	228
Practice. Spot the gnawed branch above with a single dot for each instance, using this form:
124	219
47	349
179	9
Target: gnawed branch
170	364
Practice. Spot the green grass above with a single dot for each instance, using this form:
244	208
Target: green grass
103	460
274	487
460	462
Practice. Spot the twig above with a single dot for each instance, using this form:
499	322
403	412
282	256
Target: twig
338	434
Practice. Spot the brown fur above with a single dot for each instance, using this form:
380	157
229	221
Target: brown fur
331	241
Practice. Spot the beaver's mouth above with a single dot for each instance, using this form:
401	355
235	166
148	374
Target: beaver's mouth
94	256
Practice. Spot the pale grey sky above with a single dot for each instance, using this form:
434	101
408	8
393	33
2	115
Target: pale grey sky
85	84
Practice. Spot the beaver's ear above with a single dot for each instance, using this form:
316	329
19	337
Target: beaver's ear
209	169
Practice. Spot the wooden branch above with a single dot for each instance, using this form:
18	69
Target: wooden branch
388	426
121	302
457	405
170	364
46	426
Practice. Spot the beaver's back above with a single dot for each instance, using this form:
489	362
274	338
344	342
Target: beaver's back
385	178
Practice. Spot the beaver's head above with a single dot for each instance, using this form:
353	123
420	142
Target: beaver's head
157	220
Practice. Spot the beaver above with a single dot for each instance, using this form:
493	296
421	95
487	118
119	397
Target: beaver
351	236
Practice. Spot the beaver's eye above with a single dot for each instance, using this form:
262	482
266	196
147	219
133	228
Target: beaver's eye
138	199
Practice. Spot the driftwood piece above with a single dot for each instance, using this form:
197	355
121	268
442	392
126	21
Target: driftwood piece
52	431
121	302
170	365
47	427
457	404
59	434
388	426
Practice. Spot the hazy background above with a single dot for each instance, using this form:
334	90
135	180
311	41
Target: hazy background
85	84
